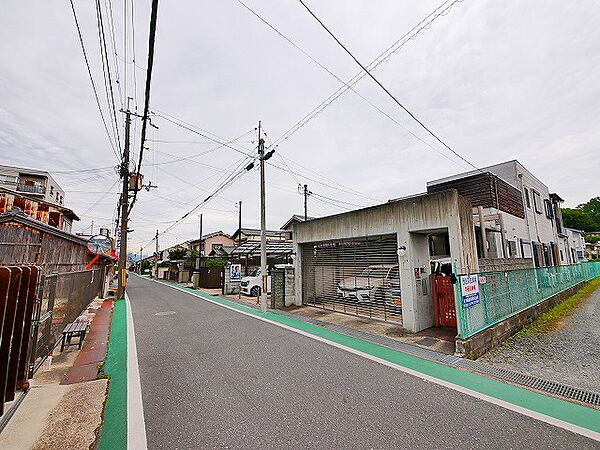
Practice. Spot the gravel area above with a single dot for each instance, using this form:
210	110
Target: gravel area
569	354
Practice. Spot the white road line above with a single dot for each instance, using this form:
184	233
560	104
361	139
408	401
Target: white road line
136	427
502	403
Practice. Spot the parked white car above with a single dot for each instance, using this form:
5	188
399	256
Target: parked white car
252	285
375	284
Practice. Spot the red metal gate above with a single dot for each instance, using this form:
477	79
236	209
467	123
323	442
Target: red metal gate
444	305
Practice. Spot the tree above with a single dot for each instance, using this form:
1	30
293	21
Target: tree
592	209
145	265
585	217
177	253
578	219
216	262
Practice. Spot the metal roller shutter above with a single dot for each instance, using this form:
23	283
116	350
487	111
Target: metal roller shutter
354	276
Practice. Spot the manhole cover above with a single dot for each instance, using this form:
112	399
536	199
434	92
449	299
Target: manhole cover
428	341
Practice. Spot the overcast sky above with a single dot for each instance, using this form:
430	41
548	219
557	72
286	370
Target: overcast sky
495	80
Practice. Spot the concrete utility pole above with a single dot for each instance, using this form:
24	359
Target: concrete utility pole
305	202
196	276
240	224
141	250
122	270
156	254
263	222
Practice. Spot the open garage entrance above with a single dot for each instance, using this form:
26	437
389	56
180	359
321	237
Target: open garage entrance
358	276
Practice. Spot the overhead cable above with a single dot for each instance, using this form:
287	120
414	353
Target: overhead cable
385	89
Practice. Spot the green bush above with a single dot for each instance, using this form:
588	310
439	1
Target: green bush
216	262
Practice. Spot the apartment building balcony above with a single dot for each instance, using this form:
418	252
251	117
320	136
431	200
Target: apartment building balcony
31	188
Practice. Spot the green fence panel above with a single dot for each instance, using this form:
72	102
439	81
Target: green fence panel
504	294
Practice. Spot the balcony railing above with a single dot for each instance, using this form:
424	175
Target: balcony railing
31	189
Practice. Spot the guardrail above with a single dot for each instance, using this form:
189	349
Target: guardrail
487	298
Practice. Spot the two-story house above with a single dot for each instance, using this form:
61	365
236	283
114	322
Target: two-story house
210	241
526	221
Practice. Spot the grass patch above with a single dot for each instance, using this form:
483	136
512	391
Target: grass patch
550	320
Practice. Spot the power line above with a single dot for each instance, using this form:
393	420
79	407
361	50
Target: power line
336	200
346	85
133	54
151	41
424	24
108	5
204	135
110	97
385	89
87	64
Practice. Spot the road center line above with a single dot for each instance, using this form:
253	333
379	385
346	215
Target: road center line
590	433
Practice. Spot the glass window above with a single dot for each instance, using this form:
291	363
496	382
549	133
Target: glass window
527	200
537	202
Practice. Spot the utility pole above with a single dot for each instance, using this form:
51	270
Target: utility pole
196	276
240	224
156	254
305	202
263	224
122	270
92	227
141	250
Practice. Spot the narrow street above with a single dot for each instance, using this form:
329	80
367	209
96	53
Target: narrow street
215	378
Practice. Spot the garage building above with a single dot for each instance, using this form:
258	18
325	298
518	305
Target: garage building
376	262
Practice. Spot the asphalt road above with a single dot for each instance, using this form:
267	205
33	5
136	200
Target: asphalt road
215	378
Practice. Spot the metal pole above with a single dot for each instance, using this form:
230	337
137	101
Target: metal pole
263	225
240	224
122	271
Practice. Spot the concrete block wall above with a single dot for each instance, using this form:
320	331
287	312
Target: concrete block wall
230	286
283	283
502	264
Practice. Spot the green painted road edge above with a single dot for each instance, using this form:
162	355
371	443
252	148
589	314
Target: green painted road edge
572	413
113	435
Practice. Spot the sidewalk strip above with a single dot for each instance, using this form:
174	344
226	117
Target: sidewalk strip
136	427
114	430
570	416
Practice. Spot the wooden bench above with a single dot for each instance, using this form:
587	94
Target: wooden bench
76	328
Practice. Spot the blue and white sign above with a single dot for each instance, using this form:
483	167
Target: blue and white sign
235	271
469	288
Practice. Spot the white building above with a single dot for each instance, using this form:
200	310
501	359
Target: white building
36	183
522	207
576	245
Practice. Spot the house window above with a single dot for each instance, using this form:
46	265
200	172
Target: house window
548	208
527	200
51	190
512	249
537	202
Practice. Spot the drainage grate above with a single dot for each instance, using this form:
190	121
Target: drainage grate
528	381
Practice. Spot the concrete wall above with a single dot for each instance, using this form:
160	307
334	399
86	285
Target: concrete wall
502	264
230	286
411	220
283	290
